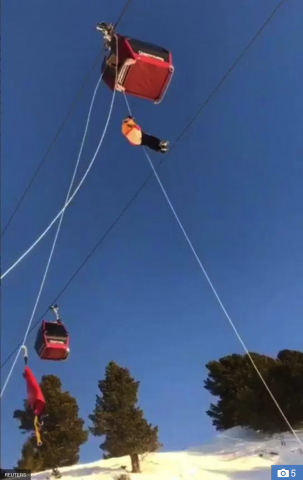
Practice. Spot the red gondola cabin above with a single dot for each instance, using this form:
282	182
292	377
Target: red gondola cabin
52	342
144	70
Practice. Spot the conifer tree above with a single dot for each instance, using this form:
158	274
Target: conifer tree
243	399
117	417
62	434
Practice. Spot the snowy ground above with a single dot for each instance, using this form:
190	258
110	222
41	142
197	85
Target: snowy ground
234	455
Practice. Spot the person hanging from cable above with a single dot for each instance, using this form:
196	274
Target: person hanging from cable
107	31
136	136
35	398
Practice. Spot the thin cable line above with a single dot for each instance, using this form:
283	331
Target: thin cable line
55	138
53	141
60	223
229	71
81	265
214	290
122	13
137	193
269	18
69	200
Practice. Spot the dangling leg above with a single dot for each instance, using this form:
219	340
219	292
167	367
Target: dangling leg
107	31
154	143
150	141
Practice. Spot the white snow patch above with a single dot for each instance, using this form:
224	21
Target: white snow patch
235	455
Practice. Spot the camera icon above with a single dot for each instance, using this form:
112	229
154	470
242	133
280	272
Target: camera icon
283	473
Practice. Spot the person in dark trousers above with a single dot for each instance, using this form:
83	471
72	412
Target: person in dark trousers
107	31
134	134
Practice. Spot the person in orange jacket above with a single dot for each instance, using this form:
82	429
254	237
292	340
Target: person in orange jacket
135	135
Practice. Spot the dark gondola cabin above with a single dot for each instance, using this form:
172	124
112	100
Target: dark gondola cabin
144	70
52	341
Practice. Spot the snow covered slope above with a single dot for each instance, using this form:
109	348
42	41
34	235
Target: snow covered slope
234	455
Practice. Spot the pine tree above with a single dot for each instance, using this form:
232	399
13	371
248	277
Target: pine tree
29	456
286	381
62	434
244	400
117	417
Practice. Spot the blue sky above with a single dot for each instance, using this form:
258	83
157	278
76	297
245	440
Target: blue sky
235	180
